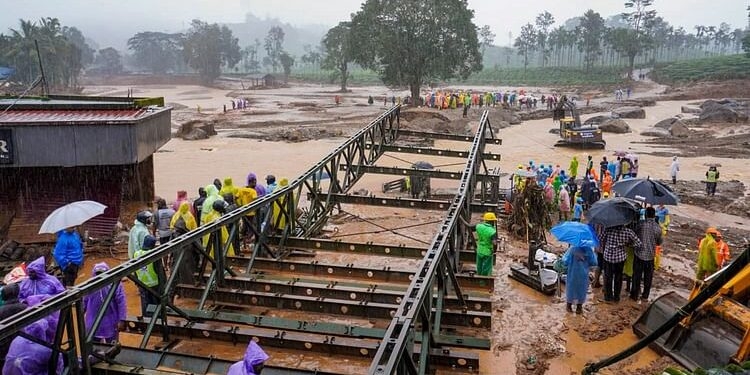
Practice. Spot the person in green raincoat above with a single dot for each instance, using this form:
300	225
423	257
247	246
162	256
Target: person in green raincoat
573	169
486	233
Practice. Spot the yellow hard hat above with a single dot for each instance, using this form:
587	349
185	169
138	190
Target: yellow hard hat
489	216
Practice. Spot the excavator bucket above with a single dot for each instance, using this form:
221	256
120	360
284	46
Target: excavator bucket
708	341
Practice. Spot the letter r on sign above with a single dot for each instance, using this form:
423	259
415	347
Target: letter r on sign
3	146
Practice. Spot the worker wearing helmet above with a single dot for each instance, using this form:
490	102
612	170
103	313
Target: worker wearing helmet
722	251
486	233
708	254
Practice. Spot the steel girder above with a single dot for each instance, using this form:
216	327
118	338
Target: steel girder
447	137
419	314
417	204
436	152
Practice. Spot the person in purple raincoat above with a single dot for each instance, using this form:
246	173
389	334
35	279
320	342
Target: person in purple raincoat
252	363
252	181
39	282
26	357
113	320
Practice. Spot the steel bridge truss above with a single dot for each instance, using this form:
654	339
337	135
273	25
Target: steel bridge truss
433	301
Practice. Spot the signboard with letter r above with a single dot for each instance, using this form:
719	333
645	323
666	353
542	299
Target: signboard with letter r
6	146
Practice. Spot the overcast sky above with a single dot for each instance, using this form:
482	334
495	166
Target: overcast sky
503	16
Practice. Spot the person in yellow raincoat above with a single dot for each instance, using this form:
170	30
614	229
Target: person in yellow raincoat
707	251
228	188
279	220
627	269
219	208
573	168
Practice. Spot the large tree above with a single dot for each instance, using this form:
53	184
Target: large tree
208	47
62	59
543	22
590	34
274	46
339	51
636	40
109	61
410	42
157	52
287	61
525	43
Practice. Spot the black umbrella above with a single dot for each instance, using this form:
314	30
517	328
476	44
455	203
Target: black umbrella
613	212
648	190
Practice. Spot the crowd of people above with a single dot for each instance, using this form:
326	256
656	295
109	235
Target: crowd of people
626	254
150	228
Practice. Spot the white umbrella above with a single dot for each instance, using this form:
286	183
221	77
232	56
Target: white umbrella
70	215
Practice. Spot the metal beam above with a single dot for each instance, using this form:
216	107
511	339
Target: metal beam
337	345
322	328
487	156
447	137
156	362
246	298
417	204
334	290
385	275
368	248
445	175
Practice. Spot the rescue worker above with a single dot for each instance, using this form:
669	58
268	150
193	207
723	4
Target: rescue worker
712	177
39	281
707	254
228	187
212	195
151	276
116	312
486	233
252	363
722	253
673	169
664	218
219	209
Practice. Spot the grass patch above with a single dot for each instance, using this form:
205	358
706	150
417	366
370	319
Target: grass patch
708	69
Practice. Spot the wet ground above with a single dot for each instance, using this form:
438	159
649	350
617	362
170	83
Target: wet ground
531	333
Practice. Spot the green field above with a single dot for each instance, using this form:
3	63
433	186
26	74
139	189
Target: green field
708	69
536	76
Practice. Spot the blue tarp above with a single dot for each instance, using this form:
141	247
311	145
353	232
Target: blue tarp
5	73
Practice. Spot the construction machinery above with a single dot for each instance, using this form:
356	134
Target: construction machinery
711	328
573	133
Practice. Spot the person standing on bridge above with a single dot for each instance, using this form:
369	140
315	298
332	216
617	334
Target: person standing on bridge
116	312
39	281
486	233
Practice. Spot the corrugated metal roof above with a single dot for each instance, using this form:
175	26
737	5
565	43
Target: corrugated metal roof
32	117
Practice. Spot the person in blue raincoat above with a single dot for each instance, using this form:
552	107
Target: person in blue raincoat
39	282
26	357
68	254
577	260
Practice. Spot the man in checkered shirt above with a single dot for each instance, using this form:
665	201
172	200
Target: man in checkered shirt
615	240
649	233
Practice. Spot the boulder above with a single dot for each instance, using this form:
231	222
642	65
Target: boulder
716	112
195	135
615	125
686	109
666	123
679	130
596	120
515	119
655	132
629	112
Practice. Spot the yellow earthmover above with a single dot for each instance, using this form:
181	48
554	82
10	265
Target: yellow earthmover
572	132
711	328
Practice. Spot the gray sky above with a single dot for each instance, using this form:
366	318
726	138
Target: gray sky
104	16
